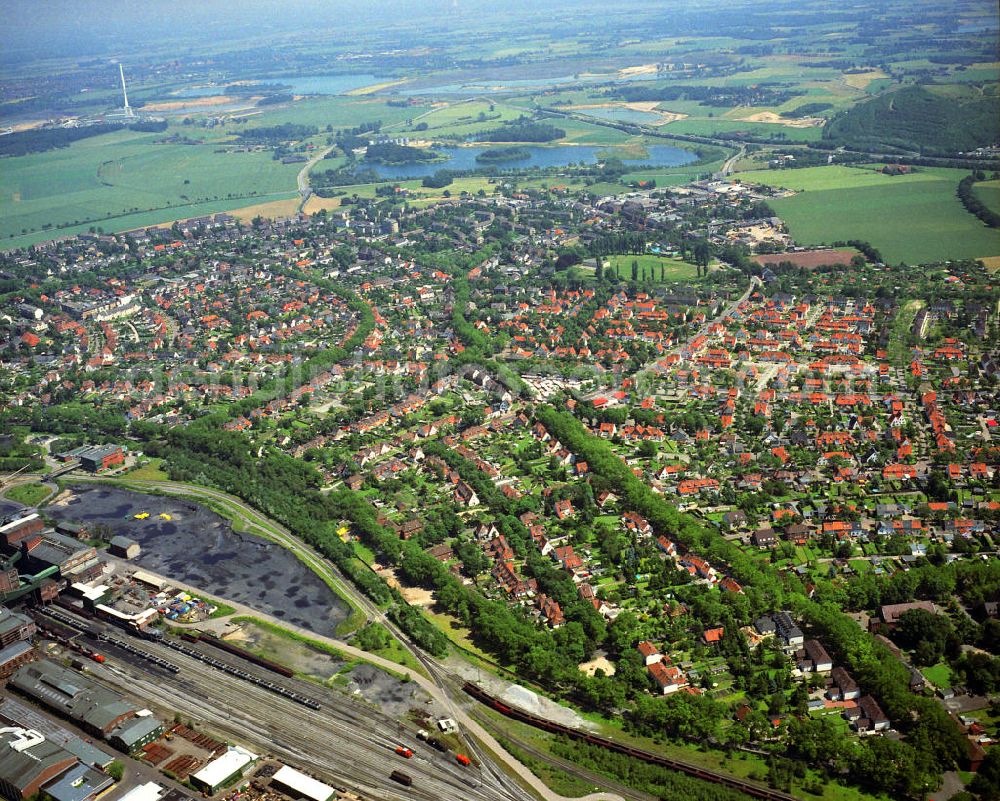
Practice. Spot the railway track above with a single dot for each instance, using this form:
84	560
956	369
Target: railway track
351	743
749	788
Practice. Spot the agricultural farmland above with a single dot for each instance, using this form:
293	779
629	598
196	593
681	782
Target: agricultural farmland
125	180
912	218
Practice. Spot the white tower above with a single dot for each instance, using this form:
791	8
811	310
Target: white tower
128	109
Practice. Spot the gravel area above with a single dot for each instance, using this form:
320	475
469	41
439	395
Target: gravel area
394	697
516	695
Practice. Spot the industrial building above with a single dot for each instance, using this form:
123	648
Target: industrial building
15	627
96	458
49	549
31	763
231	766
135	733
91	706
27	761
13	656
18	528
151	791
9	578
79	783
296	784
124	548
17	713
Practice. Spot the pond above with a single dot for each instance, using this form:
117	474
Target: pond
617	114
464	158
200	548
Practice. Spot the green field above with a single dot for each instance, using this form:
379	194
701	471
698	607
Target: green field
125	180
989	193
28	494
709	127
336	111
939	675
673	269
910	218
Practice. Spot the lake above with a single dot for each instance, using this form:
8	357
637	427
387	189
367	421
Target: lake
200	548
464	158
618	114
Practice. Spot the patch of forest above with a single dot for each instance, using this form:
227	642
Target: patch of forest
916	119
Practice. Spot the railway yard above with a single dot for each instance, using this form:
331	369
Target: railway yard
342	736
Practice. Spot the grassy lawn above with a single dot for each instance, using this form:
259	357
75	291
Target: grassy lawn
912	218
456	632
899	331
655	267
336	110
398	654
28	494
221	609
939	675
151	471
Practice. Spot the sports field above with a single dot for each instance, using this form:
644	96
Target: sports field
657	268
914	218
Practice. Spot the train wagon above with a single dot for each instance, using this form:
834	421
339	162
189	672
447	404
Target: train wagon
462	759
402	778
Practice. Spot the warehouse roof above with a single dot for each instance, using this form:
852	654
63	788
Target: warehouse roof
18	521
11	620
78	784
218	770
302	785
121	541
13	651
26	753
55	549
73	694
132	731
150	791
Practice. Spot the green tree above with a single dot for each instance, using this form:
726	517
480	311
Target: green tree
373	637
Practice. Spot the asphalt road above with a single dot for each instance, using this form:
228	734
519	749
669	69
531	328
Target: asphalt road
302	179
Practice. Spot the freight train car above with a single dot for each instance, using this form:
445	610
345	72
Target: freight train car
242	653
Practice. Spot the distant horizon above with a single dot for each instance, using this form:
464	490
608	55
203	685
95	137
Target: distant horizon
38	31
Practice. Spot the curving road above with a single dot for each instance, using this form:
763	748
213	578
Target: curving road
302	179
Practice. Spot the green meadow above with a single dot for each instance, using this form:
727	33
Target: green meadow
914	218
989	193
710	127
672	269
124	179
